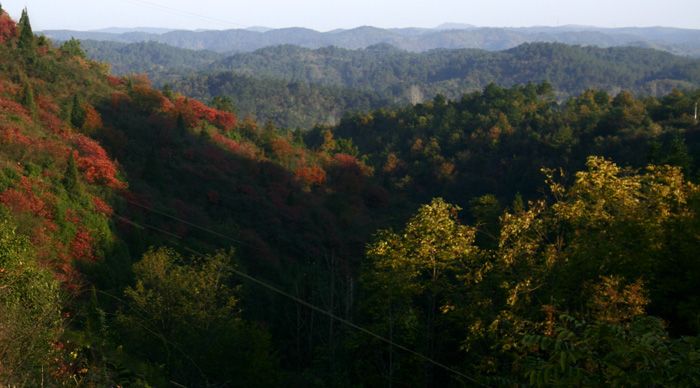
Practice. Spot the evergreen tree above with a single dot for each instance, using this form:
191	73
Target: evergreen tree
28	98
679	155
70	178
77	112
167	92
26	36
73	48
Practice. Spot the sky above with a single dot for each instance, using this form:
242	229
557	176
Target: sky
326	15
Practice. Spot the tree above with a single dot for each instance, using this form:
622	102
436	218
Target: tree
8	29
70	177
412	277
77	111
26	36
28	98
184	314
222	103
30	311
602	354
73	48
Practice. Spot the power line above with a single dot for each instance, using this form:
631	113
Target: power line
186	222
295	298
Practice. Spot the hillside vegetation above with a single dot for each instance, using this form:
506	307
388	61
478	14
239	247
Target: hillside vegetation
320	85
497	239
674	40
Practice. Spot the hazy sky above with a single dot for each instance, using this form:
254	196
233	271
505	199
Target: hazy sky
324	15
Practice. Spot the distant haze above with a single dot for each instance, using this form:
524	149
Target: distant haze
324	15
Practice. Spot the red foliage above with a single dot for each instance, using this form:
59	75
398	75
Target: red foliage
28	144
347	173
228	144
282	149
94	164
72	217
14	108
141	80
101	206
81	246
30	196
45	103
346	161
51	121
245	148
119	100
225	121
167	105
310	176
8	28
193	112
93	120
115	81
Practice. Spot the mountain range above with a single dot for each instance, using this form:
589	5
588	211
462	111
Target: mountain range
674	40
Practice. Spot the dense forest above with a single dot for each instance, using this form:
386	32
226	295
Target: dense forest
323	83
678	41
503	238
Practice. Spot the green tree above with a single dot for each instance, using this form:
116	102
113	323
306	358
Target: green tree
71	177
167	92
601	354
26	36
30	311
73	48
413	279
77	111
184	314
28	98
222	103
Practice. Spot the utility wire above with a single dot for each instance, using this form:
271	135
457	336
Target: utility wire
187	222
295	298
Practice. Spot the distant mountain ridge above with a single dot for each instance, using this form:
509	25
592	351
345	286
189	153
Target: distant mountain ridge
675	40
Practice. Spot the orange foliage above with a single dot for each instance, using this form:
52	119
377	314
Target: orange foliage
282	149
119	100
146	98
115	81
141	80
23	199
8	29
310	176
193	112
94	164
347	173
11	107
101	206
81	246
93	120
228	144
244	148
46	146
224	120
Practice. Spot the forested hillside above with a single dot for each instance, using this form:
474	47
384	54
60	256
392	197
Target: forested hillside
497	239
369	78
394	73
675	40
